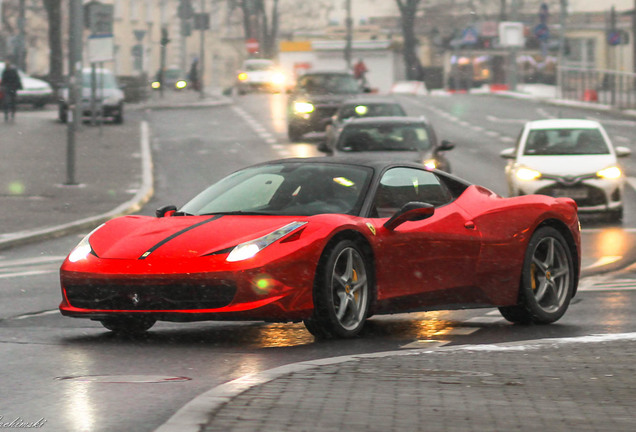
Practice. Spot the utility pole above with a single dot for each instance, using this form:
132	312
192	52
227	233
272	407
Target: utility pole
514	12
202	50
349	24
562	19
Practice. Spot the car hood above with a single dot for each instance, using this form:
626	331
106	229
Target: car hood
135	237
568	165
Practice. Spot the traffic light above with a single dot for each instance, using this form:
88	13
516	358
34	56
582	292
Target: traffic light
165	40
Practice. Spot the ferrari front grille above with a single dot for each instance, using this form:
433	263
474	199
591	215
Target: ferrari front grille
149	294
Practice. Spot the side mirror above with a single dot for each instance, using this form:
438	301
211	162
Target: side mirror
412	211
508	153
445	145
622	151
166	210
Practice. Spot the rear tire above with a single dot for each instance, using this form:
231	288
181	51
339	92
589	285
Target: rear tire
128	325
342	292
547	280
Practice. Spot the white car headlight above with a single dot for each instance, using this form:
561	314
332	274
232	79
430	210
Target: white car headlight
248	249
610	173
430	163
527	174
83	248
277	78
303	107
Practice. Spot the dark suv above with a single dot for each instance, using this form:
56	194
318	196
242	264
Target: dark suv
315	98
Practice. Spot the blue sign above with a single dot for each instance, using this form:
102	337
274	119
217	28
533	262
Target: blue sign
470	36
614	38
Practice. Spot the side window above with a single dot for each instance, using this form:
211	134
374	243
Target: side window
399	186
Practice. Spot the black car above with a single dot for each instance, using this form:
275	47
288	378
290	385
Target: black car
316	97
391	138
360	108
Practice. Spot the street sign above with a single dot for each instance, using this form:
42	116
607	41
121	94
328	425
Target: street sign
98	17
511	34
100	48
470	36
252	45
201	21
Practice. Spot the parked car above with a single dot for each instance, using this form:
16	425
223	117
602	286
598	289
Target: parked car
321	240
391	138
34	91
570	158
109	96
173	78
316	97
360	108
260	75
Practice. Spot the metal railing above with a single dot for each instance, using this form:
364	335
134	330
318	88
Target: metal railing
612	88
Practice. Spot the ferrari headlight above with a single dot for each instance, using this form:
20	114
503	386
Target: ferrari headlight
303	107
83	248
181	84
248	249
611	173
430	163
528	174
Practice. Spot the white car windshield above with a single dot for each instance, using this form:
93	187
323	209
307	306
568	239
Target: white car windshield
565	142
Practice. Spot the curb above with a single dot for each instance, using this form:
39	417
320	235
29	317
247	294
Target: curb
195	414
142	196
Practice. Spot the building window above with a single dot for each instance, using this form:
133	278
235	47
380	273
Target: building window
581	52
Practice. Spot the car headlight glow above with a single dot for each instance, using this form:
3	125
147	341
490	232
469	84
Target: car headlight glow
155	84
303	107
277	78
361	110
610	173
528	174
83	248
430	163
242	76
181	84
249	249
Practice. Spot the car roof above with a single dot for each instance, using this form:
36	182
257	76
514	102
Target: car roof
370	101
387	120
564	124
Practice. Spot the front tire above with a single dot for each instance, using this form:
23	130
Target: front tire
128	325
342	292
547	280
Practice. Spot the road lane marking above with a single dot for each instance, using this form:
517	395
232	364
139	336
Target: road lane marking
35	314
603	261
27	273
505	120
31	261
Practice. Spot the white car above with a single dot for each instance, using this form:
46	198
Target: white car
34	91
569	158
260	74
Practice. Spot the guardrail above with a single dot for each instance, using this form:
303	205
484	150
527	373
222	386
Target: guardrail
616	89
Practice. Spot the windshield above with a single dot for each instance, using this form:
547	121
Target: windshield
363	138
104	79
565	142
259	66
328	83
285	189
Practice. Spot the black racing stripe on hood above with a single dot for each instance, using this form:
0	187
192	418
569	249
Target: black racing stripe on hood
175	235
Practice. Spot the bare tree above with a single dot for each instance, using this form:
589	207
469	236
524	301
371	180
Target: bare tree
259	23
408	14
56	61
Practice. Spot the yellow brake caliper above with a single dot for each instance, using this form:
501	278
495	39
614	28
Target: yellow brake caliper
354	279
533	281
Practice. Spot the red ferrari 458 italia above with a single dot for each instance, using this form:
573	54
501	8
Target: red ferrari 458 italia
329	242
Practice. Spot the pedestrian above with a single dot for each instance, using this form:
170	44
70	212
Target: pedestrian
193	76
10	83
360	71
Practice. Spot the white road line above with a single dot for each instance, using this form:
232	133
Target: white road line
27	273
503	120
38	314
492	133
31	261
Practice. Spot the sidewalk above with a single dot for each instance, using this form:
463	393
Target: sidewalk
575	384
112	172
